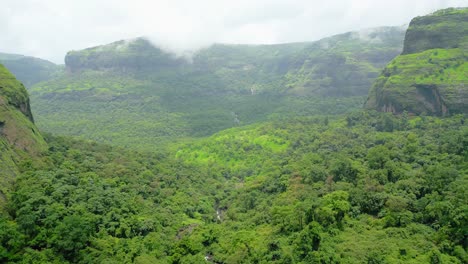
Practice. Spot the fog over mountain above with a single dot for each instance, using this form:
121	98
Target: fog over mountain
50	28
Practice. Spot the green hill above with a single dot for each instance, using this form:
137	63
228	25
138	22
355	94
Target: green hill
134	94
305	186
29	70
19	138
430	76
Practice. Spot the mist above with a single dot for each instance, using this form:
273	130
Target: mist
49	29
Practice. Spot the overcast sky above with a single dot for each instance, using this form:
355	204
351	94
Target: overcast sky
49	28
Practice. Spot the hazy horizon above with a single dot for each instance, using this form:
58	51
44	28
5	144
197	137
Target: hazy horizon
48	29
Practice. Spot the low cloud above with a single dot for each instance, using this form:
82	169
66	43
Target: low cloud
50	28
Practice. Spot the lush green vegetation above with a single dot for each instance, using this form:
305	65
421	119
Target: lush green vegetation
367	187
110	90
113	120
447	28
301	176
431	82
19	138
430	77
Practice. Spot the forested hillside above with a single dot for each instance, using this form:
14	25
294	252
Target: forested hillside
110	90
19	137
302	174
366	188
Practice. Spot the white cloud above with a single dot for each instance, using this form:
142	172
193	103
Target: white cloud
50	28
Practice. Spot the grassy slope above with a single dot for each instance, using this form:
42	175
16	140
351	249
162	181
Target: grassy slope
19	137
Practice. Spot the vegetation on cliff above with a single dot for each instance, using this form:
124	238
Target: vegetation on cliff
19	138
430	76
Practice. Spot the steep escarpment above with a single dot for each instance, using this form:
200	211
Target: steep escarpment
447	29
125	55
430	76
150	95
14	93
340	65
19	138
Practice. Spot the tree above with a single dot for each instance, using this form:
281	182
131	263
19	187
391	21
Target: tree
308	240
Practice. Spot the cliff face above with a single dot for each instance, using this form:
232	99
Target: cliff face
430	76
446	29
124	55
340	65
14	93
19	137
218	87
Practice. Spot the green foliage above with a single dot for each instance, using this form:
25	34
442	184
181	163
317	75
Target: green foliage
444	29
19	137
298	188
289	191
13	92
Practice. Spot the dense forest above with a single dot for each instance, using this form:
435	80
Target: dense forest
159	166
367	187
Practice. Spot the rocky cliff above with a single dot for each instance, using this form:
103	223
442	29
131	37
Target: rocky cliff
431	74
125	55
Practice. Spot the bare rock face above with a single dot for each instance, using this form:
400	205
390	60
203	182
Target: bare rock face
430	76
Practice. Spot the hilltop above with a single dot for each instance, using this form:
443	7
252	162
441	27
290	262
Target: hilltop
430	75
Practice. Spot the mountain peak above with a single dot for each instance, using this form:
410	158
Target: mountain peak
445	29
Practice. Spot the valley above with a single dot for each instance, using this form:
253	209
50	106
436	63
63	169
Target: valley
349	149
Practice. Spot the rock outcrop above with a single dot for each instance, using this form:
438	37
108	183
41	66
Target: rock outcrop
430	76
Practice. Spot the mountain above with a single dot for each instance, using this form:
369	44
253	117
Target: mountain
29	70
298	68
301	187
430	75
133	84
19	137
